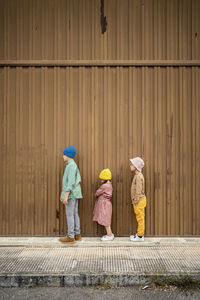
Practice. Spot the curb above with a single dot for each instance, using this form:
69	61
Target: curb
120	280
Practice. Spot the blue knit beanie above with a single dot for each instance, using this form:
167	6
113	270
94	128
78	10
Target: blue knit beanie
70	151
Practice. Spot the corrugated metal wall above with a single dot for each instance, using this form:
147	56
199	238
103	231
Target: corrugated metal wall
110	113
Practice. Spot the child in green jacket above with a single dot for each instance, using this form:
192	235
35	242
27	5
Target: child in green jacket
71	193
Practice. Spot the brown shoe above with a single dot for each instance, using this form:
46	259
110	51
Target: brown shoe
67	239
78	237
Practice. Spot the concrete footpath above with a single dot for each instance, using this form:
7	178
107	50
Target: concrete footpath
46	262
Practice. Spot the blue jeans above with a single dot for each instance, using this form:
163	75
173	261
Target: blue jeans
73	221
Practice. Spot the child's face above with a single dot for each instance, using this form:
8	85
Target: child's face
66	158
132	167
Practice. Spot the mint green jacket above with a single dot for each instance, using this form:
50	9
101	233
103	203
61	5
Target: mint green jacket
71	181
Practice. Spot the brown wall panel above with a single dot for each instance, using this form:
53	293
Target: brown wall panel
71	30
110	114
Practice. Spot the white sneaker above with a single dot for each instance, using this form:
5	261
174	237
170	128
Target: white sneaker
136	238
107	238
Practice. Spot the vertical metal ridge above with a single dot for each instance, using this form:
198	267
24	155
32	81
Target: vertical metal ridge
2	149
176	101
17	175
181	187
197	124
92	158
156	141
3	30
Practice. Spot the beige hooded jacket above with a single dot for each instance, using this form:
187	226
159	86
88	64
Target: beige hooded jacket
137	188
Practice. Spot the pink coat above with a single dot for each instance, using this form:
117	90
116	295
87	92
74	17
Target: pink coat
103	206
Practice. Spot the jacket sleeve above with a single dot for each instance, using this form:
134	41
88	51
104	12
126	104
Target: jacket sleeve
138	189
132	194
108	193
70	178
100	191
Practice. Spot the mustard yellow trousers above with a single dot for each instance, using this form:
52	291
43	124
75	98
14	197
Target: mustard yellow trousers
139	211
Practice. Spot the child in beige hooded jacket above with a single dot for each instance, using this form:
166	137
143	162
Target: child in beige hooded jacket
138	197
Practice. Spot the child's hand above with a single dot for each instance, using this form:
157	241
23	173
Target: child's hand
65	201
61	199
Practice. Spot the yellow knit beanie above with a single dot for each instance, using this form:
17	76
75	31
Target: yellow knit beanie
105	174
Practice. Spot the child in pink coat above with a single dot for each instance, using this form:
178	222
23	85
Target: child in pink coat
103	206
